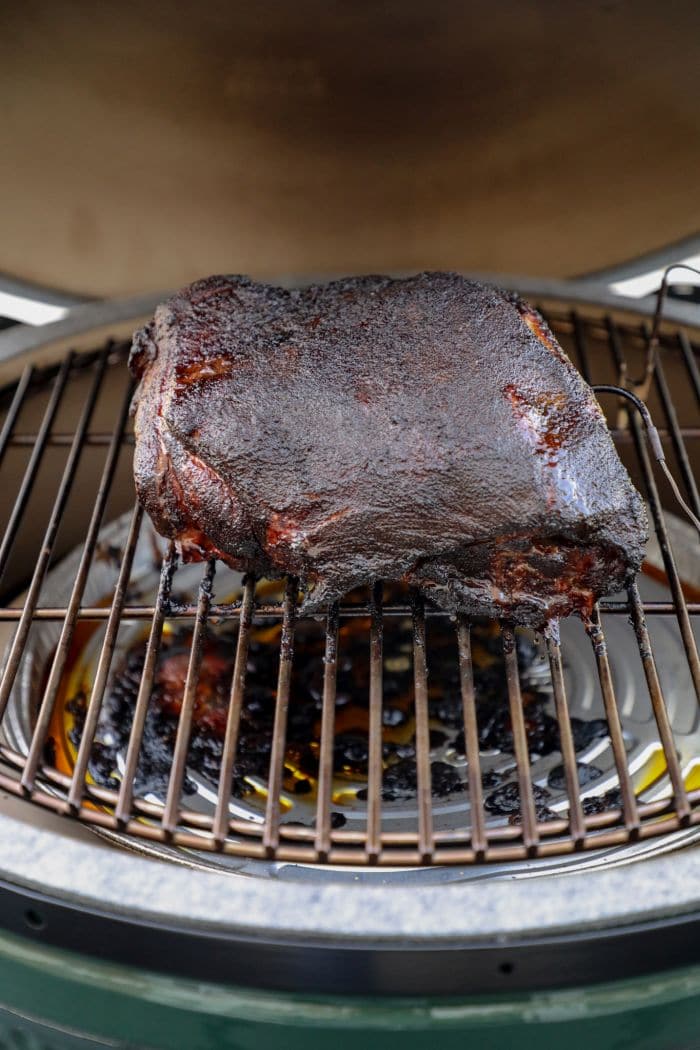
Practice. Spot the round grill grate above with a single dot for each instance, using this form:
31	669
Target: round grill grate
183	705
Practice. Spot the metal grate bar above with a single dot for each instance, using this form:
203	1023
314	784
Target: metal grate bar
471	738
68	477
233	717
674	429
566	740
34	463
77	786
184	726
622	435
6	435
618	358
581	346
659	707
271	833
59	439
325	757
359	611
420	684
67	631
630	810
674	581
690	362
520	745
122	809
374	770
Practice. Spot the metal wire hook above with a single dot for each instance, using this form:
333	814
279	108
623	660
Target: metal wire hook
642	388
654	441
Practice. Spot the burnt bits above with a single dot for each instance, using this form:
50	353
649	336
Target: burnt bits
351	743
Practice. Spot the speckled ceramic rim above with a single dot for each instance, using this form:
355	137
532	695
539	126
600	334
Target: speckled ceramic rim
466	916
77	873
452	940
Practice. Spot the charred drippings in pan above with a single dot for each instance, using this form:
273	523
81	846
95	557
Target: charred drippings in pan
506	801
351	742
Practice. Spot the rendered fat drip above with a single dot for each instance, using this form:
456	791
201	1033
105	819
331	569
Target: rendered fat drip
351	743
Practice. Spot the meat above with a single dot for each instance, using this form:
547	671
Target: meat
429	430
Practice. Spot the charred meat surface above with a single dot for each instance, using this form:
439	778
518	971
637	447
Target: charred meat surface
429	430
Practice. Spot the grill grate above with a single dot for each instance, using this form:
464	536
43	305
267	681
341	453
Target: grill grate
78	410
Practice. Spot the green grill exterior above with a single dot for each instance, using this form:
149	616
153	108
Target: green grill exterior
54	1000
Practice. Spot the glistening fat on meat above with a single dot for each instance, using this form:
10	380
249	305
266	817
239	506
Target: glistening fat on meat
429	430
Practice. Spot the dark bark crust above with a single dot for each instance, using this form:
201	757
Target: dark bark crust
428	429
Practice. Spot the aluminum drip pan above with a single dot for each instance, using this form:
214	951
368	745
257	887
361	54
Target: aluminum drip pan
644	754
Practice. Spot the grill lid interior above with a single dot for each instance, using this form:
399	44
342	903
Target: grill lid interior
374	139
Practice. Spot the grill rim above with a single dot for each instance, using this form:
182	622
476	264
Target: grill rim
132	311
439	940
457	910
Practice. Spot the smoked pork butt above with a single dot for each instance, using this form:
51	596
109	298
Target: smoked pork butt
429	430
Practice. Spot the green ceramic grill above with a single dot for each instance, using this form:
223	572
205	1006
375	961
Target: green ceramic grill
345	912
